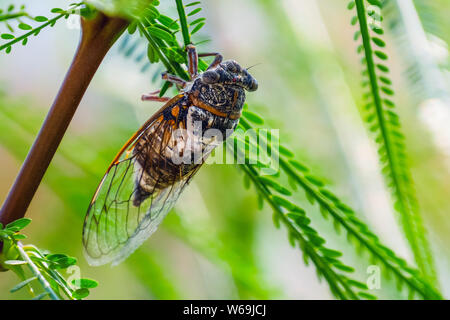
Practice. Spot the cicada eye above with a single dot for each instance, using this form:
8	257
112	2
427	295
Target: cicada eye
253	85
210	77
232	66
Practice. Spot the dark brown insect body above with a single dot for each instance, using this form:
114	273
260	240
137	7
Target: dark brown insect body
151	170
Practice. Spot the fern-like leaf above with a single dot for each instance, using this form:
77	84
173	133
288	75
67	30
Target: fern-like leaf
384	123
43	22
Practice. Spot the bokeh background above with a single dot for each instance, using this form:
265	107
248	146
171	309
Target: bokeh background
216	244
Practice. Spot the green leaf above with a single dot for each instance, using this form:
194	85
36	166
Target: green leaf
152	54
80	293
24	26
381	55
196	21
344	208
56	256
40	296
314	180
57	10
329	195
161	34
15	262
315	239
40	18
388	91
330	253
64	263
383	68
197	28
276	220
22	284
343	267
19	223
173	55
85	283
132	28
375	3
253	117
377	30
357	284
192	4
298	166
286	204
385	80
168	22
7	36
367	296
378	42
286	152
195	11
19	236
300	219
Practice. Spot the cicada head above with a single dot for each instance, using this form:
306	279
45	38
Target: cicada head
230	73
223	87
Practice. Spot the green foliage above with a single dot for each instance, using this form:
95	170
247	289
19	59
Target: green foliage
130	9
342	216
300	232
384	123
290	214
89	161
41	22
45	268
12	14
160	36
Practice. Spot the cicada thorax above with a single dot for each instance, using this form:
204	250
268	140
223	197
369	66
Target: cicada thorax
225	101
184	135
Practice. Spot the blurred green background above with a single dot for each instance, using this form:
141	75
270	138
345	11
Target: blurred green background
216	244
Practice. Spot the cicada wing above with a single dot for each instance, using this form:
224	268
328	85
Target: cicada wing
122	215
114	226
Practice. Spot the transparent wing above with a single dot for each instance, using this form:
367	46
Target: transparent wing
134	196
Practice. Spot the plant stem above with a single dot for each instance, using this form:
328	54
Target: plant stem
183	22
13	16
332	278
324	203
26	35
36	272
411	220
155	47
97	37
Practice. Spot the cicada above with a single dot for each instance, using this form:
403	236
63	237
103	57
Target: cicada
146	177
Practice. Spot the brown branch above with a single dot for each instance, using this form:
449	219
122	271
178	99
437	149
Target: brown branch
97	37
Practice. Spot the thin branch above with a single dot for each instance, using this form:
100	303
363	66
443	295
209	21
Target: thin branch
183	23
34	31
36	272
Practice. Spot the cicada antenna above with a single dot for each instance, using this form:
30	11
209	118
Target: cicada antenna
253	66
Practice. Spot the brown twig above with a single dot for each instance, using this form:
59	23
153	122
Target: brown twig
97	37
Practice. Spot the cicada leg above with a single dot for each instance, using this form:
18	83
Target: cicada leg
153	96
180	83
217	60
193	59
